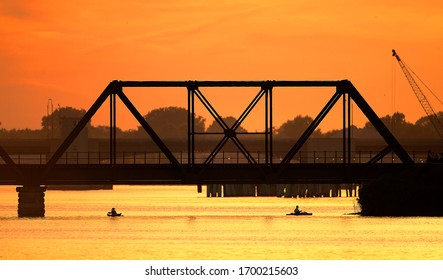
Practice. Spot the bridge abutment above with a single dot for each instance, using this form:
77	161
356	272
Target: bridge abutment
31	201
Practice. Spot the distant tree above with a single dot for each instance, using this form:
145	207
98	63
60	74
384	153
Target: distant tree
295	127
130	133
396	124
53	120
172	122
103	131
423	127
338	133
22	133
215	126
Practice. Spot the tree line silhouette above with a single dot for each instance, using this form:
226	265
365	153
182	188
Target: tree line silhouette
172	122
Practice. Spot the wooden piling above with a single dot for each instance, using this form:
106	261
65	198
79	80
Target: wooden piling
213	190
229	190
247	190
267	190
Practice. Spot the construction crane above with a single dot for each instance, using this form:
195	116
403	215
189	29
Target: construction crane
421	97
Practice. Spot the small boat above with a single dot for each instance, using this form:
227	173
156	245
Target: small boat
301	213
114	215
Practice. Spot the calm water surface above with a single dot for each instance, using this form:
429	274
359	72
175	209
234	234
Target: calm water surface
176	222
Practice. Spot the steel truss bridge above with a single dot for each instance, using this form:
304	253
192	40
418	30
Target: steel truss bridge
192	167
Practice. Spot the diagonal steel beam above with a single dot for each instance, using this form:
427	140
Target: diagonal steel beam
243	150
377	123
380	155
218	119
78	128
5	156
248	109
311	128
216	150
211	109
10	162
240	120
230	132
147	128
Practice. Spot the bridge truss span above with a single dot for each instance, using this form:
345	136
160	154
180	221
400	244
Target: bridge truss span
269	165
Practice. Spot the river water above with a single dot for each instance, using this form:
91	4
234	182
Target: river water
176	223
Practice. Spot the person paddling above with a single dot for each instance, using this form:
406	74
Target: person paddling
296	210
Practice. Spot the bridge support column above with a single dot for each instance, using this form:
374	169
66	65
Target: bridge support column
31	201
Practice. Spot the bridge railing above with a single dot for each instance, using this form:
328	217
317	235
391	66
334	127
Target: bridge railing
316	157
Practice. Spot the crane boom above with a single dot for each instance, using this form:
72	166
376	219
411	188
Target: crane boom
421	97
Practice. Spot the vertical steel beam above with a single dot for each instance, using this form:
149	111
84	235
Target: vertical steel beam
112	129
193	128
349	128
115	129
267	138
190	120
344	128
271	126
111	134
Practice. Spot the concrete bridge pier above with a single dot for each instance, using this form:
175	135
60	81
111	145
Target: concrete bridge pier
31	201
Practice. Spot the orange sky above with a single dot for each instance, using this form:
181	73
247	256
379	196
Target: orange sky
69	51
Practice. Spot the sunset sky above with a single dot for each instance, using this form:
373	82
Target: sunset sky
68	51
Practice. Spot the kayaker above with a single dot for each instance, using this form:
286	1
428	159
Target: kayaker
296	210
113	212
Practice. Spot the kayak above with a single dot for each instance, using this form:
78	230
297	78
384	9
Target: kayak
114	215
299	214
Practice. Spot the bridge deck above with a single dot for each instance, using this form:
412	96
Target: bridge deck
166	174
